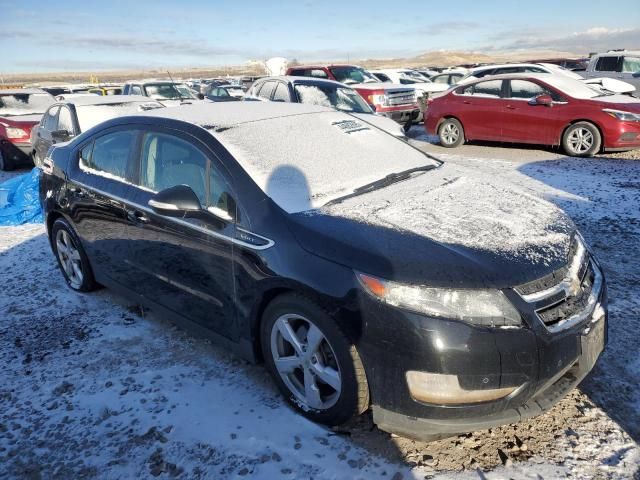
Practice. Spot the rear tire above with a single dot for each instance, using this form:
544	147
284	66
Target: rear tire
582	139
71	257
322	376
451	133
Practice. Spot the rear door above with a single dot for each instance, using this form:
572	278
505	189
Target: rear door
99	186
184	264
480	108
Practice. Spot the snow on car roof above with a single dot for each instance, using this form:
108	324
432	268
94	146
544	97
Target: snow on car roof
570	86
23	91
301	155
106	99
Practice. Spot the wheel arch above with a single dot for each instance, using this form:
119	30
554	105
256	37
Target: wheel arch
448	116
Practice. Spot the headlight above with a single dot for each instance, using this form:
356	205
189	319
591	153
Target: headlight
483	307
13	132
378	99
621	115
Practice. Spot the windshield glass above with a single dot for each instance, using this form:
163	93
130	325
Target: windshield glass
163	91
24	103
185	91
91	115
353	75
413	75
327	156
345	99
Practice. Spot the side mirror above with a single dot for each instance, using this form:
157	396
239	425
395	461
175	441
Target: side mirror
200	96
177	201
61	135
544	100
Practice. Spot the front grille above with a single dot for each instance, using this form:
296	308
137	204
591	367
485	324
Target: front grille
405	97
571	305
567	295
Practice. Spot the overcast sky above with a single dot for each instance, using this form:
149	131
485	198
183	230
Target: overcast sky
59	35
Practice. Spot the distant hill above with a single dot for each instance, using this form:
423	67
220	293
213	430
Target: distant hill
434	58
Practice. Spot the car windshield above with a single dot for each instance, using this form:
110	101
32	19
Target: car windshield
416	76
163	91
185	91
91	115
24	103
351	75
341	98
303	165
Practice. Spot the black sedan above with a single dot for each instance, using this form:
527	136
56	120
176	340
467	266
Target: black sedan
220	93
66	119
364	272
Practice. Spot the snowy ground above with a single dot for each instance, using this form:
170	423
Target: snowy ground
89	388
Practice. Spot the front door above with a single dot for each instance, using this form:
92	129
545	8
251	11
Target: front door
184	264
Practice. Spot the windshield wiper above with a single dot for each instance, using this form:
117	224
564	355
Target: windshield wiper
383	182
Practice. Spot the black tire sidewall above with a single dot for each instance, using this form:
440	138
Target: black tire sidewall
596	136
457	123
347	405
88	282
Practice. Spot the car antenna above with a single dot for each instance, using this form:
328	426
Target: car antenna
174	86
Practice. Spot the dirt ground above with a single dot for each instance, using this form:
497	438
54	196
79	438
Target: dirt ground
91	389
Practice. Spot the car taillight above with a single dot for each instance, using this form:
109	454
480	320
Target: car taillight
15	133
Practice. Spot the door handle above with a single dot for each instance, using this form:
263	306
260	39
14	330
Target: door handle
136	216
466	102
511	107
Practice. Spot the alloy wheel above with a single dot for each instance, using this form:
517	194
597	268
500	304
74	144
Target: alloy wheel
580	140
306	362
450	133
69	257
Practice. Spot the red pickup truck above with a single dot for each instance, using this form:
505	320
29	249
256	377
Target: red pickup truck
397	102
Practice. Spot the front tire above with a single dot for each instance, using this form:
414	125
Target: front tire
72	259
313	363
451	133
582	139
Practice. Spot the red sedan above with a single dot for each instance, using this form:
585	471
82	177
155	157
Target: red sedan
536	108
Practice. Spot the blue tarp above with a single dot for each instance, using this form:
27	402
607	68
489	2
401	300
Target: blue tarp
20	199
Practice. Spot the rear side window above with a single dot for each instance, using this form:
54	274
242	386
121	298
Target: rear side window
110	154
136	90
282	93
168	161
491	88
608	64
382	77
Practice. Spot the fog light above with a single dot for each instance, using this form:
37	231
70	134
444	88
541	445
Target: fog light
442	389
628	137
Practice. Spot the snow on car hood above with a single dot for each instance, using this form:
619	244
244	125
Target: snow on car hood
625	102
475	218
383	123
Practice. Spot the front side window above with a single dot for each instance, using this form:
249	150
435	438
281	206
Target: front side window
50	119
631	64
168	161
110	153
282	93
608	64
136	90
266	90
526	90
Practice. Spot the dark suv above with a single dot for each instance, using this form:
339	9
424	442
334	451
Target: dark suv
364	272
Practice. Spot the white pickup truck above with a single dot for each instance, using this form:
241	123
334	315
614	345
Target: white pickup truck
622	65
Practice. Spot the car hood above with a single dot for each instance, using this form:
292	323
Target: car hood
446	227
383	123
29	119
387	87
620	102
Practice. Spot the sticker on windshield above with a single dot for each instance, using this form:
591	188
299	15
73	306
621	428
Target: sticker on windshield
350	126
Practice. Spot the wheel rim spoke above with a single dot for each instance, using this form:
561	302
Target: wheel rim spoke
329	376
311	390
288	364
284	327
69	257
314	338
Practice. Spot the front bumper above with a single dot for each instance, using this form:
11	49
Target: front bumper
543	365
400	116
622	136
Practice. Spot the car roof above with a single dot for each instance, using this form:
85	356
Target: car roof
106	100
323	65
507	65
559	81
23	91
220	115
303	80
152	80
